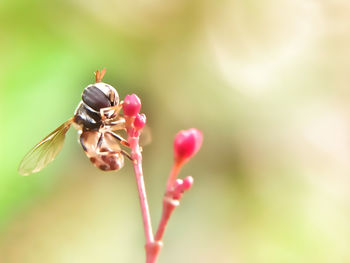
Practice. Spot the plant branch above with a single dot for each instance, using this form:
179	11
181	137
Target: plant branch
137	164
172	197
186	144
173	175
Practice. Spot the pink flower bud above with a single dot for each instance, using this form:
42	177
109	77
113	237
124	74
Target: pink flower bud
187	183
187	143
131	105
140	121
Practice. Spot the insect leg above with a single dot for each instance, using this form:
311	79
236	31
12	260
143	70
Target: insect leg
113	125
119	107
117	125
106	112
100	140
119	138
126	154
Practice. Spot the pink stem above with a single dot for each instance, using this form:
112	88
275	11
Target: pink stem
168	208
173	175
169	203
137	163
153	244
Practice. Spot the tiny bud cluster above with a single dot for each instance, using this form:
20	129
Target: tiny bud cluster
134	120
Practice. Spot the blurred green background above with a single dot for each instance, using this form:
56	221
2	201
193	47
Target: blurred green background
266	81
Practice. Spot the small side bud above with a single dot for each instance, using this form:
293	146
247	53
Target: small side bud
187	183
187	143
140	121
131	105
179	187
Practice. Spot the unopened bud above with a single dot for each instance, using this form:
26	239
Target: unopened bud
187	183
131	105
140	121
187	143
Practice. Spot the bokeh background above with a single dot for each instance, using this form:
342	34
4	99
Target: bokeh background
266	81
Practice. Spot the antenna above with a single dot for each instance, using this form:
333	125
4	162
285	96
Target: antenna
99	75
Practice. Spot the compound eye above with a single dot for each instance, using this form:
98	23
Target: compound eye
95	98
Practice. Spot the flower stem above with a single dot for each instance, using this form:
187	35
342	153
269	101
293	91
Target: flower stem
134	122
137	163
173	175
169	203
168	208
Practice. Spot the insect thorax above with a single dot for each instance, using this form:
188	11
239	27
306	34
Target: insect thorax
86	118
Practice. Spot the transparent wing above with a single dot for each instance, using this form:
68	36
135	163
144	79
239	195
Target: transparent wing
146	136
45	151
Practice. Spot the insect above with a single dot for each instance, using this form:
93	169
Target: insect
96	118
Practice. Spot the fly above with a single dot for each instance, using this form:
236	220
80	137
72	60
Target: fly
97	118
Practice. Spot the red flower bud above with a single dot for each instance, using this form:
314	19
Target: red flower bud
180	186
187	183
187	143
131	105
140	121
